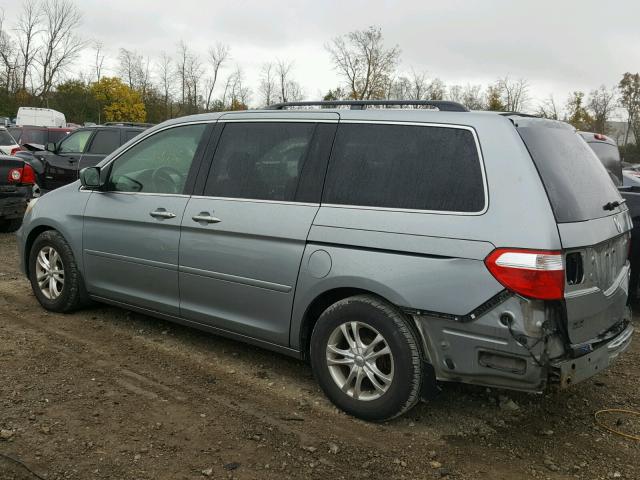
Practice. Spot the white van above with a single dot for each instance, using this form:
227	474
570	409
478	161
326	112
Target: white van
40	117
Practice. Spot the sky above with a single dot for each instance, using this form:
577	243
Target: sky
558	46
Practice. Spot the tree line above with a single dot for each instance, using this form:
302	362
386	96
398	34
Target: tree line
39	52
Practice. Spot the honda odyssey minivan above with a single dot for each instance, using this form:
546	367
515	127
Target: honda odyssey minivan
392	248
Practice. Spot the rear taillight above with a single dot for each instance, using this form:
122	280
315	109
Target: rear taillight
14	150
23	176
535	274
599	136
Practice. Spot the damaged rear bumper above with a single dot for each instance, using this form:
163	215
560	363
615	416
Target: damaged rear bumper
575	370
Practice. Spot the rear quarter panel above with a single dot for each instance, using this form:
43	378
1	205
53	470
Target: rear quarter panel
433	261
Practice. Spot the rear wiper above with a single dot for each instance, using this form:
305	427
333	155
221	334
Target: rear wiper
612	205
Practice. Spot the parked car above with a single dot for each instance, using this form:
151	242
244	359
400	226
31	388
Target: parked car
606	149
35	138
8	145
60	162
628	182
40	117
17	180
392	248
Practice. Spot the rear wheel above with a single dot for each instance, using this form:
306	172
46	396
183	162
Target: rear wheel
8	226
54	275
366	358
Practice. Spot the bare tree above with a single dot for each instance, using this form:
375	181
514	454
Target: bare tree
166	77
472	97
454	93
28	28
364	62
419	85
436	89
267	86
283	68
61	45
601	104
99	57
8	59
130	67
190	71
235	90
217	56
629	88
515	93
549	109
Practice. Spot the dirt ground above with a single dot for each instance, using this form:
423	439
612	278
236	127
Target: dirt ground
108	394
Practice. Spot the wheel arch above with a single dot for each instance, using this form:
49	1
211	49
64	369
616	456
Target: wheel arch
31	237
323	301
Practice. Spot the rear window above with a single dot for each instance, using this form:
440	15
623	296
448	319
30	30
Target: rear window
408	167
609	155
39	137
56	135
577	183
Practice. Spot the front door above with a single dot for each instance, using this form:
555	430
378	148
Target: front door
243	240
61	166
132	228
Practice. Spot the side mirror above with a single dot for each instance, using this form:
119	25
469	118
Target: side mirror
90	177
50	147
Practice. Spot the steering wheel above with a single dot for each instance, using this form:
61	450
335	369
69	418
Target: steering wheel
164	181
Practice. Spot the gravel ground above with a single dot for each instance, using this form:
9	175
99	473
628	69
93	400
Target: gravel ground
108	394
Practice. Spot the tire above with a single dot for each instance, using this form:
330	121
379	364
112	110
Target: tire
8	226
67	295
403	368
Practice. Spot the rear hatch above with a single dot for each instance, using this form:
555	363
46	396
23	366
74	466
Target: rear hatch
593	224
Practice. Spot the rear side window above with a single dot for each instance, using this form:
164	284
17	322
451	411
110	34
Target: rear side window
105	141
261	161
577	183
6	138
16	133
129	134
403	166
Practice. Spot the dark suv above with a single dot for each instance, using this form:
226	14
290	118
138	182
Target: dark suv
60	163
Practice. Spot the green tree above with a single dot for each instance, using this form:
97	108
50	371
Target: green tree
494	99
577	113
117	101
74	98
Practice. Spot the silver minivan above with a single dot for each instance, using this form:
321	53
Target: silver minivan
393	248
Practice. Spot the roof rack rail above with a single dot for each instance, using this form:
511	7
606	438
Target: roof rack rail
442	105
128	124
519	114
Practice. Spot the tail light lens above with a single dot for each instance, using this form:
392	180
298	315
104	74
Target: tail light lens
23	176
535	274
14	150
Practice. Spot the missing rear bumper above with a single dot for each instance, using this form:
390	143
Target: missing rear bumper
578	369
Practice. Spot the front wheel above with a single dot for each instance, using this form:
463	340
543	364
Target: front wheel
55	278
366	358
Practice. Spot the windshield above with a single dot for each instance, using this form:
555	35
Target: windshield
577	183
6	138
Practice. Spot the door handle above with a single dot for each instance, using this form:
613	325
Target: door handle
205	217
162	214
